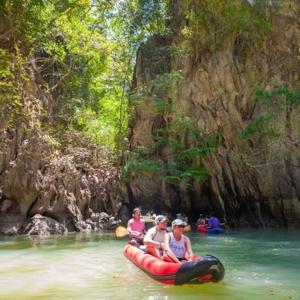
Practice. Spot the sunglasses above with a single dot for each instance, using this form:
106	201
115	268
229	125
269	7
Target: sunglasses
181	226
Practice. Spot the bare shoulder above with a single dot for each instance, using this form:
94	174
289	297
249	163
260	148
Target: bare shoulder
168	235
186	238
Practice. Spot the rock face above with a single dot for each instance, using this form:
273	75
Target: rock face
49	187
254	176
45	191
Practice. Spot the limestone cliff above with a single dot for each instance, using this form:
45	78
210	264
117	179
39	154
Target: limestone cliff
239	82
47	185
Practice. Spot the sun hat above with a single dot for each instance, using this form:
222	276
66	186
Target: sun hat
178	222
136	210
160	219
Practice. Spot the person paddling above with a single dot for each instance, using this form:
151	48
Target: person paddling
136	228
213	221
178	246
202	221
155	236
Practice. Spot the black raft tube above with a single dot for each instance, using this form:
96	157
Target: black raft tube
189	272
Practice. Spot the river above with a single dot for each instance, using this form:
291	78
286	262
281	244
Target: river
259	265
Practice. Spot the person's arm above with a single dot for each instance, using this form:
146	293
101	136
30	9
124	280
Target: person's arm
148	240
223	224
129	226
168	250
189	250
144	229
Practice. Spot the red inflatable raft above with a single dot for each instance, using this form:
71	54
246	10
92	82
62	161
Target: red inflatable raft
202	228
204	269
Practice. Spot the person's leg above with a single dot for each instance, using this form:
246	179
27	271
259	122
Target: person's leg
167	258
153	251
134	242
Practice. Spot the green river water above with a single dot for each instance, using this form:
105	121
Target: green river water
258	264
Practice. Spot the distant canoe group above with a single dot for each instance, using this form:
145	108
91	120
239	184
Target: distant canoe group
209	225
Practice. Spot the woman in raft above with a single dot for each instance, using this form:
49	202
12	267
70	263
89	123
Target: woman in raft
176	245
136	228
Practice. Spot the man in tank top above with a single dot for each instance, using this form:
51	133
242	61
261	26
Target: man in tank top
155	236
177	246
136	228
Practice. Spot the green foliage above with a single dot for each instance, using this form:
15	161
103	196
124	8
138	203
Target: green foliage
84	54
182	162
83	69
195	152
285	98
289	95
211	22
173	170
165	83
6	77
136	20
259	126
197	174
13	80
5	71
141	166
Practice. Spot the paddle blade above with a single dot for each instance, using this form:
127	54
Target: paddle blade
187	228
121	231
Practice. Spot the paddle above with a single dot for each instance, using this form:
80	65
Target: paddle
187	228
121	231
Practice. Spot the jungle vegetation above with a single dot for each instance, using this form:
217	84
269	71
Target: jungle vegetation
83	55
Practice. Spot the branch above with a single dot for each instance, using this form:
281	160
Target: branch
60	80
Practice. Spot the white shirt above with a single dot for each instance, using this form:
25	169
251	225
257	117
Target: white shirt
153	234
